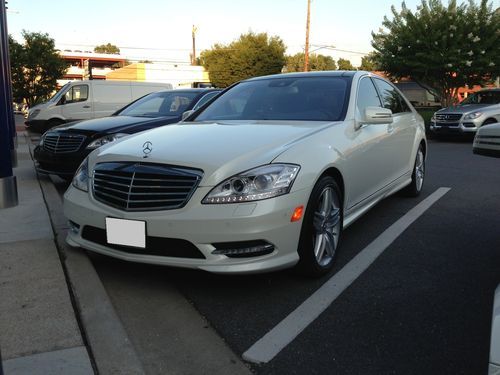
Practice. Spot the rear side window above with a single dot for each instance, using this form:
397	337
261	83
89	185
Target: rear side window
79	93
367	95
391	99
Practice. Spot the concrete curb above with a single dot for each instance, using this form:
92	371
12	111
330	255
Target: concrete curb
109	345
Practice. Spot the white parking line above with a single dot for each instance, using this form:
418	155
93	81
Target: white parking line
289	328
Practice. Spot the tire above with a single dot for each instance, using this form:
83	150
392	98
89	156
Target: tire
321	229
418	175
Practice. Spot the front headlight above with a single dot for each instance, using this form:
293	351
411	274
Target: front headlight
106	139
81	178
34	113
472	116
259	183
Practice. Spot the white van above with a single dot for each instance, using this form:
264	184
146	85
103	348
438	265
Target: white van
83	100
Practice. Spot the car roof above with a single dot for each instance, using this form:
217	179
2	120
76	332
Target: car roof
489	89
195	90
324	73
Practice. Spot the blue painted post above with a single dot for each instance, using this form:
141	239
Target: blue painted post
8	185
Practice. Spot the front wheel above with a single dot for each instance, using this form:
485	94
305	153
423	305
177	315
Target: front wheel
418	175
321	228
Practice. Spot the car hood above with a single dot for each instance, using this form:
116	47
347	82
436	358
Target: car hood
219	149
114	124
464	108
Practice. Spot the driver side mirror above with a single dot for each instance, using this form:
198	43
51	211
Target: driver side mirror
377	115
186	114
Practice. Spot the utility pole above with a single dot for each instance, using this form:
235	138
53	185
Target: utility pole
306	53
8	184
193	56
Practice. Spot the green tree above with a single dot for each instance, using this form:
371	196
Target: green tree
295	63
35	67
345	64
441	47
249	56
107	48
369	63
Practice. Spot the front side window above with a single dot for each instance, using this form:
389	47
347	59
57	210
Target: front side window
391	99
160	104
79	93
283	98
367	96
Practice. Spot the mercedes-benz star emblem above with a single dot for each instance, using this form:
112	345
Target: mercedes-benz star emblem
147	147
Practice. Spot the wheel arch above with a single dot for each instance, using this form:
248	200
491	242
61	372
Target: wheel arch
337	176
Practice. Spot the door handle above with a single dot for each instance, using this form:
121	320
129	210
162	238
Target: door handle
86	106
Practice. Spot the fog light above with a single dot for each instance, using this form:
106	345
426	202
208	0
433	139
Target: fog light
74	228
243	249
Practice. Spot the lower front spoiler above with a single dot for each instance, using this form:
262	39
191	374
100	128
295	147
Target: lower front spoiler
266	263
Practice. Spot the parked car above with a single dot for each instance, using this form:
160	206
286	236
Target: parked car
480	108
487	141
264	177
62	149
84	100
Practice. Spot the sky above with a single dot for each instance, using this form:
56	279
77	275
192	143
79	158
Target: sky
160	30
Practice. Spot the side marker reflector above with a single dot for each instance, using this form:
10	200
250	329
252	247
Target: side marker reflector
297	214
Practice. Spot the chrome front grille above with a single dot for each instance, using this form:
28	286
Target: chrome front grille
448	117
61	143
144	186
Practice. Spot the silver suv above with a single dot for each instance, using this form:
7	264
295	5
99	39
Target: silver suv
480	108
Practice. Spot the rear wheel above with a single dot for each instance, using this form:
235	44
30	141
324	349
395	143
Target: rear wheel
418	175
321	228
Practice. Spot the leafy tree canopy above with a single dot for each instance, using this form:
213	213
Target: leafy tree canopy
35	67
107	48
441	47
249	56
345	64
295	63
369	63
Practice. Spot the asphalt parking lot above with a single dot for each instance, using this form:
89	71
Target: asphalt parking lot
423	307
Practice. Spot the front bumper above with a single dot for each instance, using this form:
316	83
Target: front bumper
63	164
457	127
201	225
486	145
36	125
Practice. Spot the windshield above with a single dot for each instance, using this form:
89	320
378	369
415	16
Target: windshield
294	98
57	95
485	97
159	104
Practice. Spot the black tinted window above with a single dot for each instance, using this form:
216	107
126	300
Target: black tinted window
367	95
307	99
391	99
160	104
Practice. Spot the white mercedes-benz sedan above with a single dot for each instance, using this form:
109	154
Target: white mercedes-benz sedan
263	177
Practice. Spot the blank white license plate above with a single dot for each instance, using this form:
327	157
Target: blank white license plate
126	232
